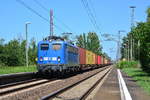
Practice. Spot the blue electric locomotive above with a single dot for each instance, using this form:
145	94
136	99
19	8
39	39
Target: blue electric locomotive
57	55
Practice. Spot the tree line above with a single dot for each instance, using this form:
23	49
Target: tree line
91	42
138	39
13	52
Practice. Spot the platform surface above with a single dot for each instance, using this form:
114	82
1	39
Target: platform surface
110	88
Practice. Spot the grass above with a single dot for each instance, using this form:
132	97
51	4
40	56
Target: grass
17	69
142	78
127	64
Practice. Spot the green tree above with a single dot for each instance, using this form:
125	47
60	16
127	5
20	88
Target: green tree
12	53
2	56
141	37
93	43
82	41
90	42
32	51
148	14
22	57
124	48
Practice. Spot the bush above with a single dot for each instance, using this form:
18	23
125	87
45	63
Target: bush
1	64
127	64
145	56
13	53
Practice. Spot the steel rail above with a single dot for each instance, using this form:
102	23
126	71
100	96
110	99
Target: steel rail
24	87
17	77
83	97
17	83
16	74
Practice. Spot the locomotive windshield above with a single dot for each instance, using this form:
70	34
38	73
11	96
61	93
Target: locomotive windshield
56	46
44	46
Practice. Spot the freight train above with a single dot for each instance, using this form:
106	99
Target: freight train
55	55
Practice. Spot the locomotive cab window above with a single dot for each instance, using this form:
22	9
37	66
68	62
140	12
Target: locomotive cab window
56	46
44	46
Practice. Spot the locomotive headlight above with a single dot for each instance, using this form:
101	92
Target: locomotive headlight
41	59
58	59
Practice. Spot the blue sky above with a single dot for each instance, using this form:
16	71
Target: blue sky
112	15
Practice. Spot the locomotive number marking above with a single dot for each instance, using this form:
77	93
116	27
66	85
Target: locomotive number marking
54	58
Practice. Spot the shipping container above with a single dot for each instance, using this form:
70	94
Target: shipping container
103	60
109	61
93	58
99	60
96	59
88	57
82	56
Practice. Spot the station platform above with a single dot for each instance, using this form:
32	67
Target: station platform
110	89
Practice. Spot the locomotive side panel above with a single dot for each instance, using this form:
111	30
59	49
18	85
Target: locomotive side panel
72	56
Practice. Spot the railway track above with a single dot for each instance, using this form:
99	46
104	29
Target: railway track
11	88
16	83
16	78
39	88
73	91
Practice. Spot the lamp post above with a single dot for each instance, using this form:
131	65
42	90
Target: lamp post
128	50
125	50
26	29
119	43
138	49
131	37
